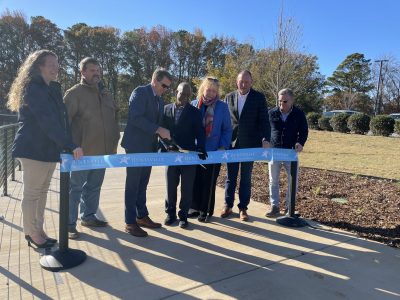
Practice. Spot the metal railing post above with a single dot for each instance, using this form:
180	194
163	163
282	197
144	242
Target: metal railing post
5	164
292	220
64	257
292	188
64	210
12	158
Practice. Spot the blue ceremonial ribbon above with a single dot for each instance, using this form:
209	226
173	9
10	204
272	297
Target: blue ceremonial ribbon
68	163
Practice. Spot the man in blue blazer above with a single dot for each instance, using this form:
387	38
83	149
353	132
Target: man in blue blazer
141	136
249	117
185	124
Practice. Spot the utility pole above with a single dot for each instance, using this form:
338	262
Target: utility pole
378	100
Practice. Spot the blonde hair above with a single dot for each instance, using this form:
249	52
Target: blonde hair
208	82
29	69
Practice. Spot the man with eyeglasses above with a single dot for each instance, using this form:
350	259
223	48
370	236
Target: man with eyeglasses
249	116
289	130
140	136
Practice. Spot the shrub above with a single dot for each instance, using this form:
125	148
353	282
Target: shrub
397	126
312	120
339	123
382	125
359	123
323	123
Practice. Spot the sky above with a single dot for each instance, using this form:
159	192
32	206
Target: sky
330	29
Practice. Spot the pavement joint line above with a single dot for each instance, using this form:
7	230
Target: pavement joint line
256	268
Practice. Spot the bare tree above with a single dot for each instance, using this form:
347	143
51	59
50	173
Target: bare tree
390	83
284	56
392	90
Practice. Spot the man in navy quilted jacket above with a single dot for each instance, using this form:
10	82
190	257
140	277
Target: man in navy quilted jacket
289	130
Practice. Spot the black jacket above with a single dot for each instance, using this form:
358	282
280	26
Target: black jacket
287	134
253	126
43	133
189	128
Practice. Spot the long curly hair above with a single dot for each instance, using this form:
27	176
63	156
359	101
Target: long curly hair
29	69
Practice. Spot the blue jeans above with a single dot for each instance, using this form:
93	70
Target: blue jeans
84	193
274	171
246	169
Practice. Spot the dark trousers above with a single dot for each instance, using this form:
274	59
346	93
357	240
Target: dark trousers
187	176
137	179
204	188
246	169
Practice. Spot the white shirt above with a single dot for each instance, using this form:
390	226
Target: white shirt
285	115
241	101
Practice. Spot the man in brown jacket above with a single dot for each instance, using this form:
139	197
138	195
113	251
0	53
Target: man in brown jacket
92	116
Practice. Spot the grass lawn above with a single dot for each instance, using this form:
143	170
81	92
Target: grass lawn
352	153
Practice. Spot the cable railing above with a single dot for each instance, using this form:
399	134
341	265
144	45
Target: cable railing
7	163
6	119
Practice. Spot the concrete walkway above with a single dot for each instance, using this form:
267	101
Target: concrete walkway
225	259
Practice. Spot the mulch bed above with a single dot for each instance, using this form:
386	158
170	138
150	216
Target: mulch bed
365	205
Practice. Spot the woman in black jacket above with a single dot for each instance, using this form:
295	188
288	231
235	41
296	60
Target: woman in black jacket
42	136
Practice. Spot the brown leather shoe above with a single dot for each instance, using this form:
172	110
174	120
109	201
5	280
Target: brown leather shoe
243	215
147	222
225	212
135	230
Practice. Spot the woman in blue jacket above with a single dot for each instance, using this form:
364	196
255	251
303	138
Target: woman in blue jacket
218	129
42	135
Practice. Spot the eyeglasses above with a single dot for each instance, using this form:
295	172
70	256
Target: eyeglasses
164	86
212	79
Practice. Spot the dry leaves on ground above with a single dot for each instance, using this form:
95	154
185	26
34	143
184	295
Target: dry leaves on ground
365	205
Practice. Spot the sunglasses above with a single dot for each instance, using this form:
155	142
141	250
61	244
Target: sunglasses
212	79
164	86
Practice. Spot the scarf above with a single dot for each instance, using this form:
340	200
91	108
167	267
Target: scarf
209	113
